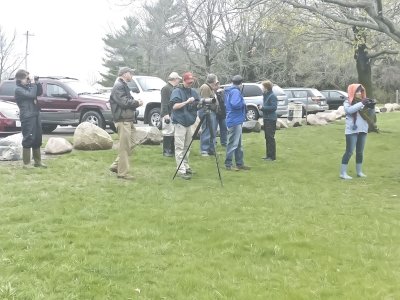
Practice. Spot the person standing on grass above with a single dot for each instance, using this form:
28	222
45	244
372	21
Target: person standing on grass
123	108
356	129
221	115
168	135
270	104
26	95
207	90
235	116
184	114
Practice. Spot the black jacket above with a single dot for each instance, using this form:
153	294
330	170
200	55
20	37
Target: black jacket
123	106
166	92
25	96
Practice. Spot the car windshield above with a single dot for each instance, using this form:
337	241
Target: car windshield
317	93
151	83
81	88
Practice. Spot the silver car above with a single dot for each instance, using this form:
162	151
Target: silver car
311	99
253	96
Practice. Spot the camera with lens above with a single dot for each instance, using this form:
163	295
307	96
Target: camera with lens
370	103
206	102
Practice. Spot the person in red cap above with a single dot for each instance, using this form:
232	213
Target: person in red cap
184	114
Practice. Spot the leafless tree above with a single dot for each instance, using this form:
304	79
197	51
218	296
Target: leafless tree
10	61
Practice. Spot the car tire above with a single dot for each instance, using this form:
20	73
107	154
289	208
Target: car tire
48	128
93	117
155	117
252	114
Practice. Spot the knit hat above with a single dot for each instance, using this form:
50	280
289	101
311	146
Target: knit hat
237	80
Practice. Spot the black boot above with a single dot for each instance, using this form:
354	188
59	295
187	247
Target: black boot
167	140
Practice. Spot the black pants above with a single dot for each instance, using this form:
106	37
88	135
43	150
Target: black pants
31	132
168	144
269	131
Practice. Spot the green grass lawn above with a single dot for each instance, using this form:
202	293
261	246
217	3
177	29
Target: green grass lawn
284	230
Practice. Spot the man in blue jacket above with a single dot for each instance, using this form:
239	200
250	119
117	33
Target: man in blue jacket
235	116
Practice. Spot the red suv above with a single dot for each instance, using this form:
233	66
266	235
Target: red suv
66	101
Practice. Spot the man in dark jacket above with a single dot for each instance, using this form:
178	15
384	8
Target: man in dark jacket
270	104
29	114
184	113
123	108
167	130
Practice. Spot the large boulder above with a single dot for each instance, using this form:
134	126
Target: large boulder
57	145
88	136
396	106
389	107
327	116
251	126
11	147
281	123
314	120
148	136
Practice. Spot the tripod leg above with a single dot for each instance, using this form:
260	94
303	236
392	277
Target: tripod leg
193	136
212	136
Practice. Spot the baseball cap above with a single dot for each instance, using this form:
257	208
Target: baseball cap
237	79
124	70
188	77
174	75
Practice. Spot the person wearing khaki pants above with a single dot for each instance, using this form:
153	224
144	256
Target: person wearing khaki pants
123	108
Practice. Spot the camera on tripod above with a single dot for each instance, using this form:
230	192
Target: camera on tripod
370	103
205	102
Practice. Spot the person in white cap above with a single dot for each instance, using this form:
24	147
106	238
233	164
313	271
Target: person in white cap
123	108
167	127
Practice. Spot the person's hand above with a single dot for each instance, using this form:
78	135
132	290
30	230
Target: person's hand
190	100
166	117
364	101
140	102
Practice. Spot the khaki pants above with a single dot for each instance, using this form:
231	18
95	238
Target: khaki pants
183	136
126	133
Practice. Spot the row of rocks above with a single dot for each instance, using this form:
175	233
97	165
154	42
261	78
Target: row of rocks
90	137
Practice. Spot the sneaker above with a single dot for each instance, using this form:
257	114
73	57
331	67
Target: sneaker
185	176
268	159
126	177
243	167
168	154
189	171
231	168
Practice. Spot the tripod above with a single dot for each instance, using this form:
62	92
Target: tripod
207	119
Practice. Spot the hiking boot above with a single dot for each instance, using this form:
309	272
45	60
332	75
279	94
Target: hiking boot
185	176
231	168
243	167
168	154
126	177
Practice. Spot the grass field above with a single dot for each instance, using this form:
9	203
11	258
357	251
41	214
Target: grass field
284	230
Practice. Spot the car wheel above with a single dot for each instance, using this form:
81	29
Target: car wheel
252	114
48	128
93	117
155	118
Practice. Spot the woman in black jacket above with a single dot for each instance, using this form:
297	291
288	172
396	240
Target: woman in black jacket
29	113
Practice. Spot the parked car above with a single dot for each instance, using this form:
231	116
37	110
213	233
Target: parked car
66	101
334	98
311	99
148	89
253	96
9	118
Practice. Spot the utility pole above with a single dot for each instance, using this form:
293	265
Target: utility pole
26	48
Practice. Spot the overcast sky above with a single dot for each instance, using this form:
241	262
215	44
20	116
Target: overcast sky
67	34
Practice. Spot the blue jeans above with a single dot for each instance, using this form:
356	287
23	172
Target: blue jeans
223	130
206	144
234	146
354	141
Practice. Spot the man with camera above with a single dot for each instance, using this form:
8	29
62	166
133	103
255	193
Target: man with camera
184	101
167	127
207	91
29	113
123	108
